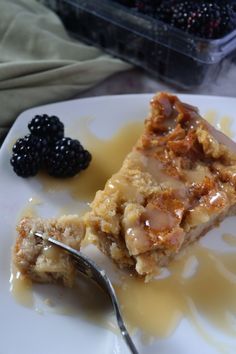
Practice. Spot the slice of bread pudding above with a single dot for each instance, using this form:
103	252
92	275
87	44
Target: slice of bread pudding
38	260
177	183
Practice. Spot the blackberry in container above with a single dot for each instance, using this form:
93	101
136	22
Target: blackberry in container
150	35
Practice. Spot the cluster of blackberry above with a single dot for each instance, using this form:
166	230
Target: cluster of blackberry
47	148
208	19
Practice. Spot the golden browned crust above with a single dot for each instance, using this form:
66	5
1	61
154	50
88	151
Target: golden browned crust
39	261
177	183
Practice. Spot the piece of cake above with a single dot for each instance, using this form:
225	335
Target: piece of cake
176	184
38	260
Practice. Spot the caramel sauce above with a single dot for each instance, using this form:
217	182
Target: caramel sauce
107	157
68	209
200	282
30	210
211	116
158	220
21	288
229	239
225	126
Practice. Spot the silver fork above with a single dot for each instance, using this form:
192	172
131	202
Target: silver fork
87	267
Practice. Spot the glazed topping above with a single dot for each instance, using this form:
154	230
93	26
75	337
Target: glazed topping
163	212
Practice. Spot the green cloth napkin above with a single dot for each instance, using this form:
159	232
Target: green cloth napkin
40	63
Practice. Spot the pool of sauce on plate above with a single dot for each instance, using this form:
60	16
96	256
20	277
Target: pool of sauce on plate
229	239
200	281
224	123
30	209
21	288
211	116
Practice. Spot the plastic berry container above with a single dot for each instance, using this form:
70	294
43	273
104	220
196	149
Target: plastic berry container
166	52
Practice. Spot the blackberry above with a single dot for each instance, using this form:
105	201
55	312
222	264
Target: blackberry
25	164
49	127
207	19
179	9
66	158
31	144
28	155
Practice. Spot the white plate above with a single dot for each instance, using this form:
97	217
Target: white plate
24	330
